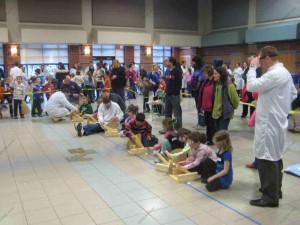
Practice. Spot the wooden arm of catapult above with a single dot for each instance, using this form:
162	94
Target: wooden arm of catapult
75	117
178	173
111	129
135	146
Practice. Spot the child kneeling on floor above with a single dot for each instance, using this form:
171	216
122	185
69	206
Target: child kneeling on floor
223	177
140	126
202	159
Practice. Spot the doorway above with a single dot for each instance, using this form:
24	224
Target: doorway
104	59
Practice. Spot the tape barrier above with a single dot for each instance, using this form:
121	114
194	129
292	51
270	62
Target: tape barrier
292	112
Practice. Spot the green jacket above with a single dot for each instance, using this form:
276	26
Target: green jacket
185	150
218	105
86	109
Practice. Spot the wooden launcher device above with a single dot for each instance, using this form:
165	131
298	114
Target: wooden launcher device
111	129
75	117
178	173
135	146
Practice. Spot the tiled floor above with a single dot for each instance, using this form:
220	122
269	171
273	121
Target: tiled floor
39	186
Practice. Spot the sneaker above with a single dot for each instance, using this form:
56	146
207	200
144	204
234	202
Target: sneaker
162	131
75	126
79	129
40	115
200	127
22	117
56	119
11	116
121	134
243	116
34	115
251	166
15	117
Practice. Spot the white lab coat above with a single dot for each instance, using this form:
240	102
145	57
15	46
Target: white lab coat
237	73
105	115
15	72
276	92
57	104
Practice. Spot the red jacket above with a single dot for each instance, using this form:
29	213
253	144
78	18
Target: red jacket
205	97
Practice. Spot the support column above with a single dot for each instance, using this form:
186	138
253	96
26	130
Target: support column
9	59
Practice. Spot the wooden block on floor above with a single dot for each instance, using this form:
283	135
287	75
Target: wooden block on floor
162	167
137	151
185	177
112	133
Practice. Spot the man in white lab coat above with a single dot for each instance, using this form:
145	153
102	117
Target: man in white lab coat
16	71
276	92
58	106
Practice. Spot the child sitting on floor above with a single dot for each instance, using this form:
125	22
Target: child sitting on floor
132	112
140	126
224	175
182	133
171	140
202	159
85	107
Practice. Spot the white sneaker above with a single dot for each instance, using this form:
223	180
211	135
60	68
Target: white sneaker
155	152
121	134
56	119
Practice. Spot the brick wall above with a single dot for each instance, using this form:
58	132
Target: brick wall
128	55
227	53
76	55
9	60
184	54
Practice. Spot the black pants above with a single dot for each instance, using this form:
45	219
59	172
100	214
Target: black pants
36	107
9	99
146	106
214	185
210	126
89	93
206	168
296	103
270	175
245	107
17	104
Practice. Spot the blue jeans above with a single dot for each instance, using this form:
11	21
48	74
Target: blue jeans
172	104
222	124
92	129
149	143
119	91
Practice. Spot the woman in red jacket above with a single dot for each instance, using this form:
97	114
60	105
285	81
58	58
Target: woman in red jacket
205	102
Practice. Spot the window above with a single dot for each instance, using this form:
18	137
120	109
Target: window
33	55
109	50
160	53
137	57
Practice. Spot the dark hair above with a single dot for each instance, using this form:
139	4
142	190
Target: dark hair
65	90
61	66
140	117
106	100
133	108
198	137
223	75
168	123
208	69
172	60
183	131
17	63
38	71
199	63
98	65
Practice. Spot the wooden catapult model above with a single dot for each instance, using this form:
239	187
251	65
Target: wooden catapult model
111	129
75	117
91	119
178	173
135	146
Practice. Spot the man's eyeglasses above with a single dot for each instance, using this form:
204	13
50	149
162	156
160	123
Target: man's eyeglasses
263	57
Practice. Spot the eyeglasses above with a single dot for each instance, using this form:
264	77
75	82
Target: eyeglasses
263	57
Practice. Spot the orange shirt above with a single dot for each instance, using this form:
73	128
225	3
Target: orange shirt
107	83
